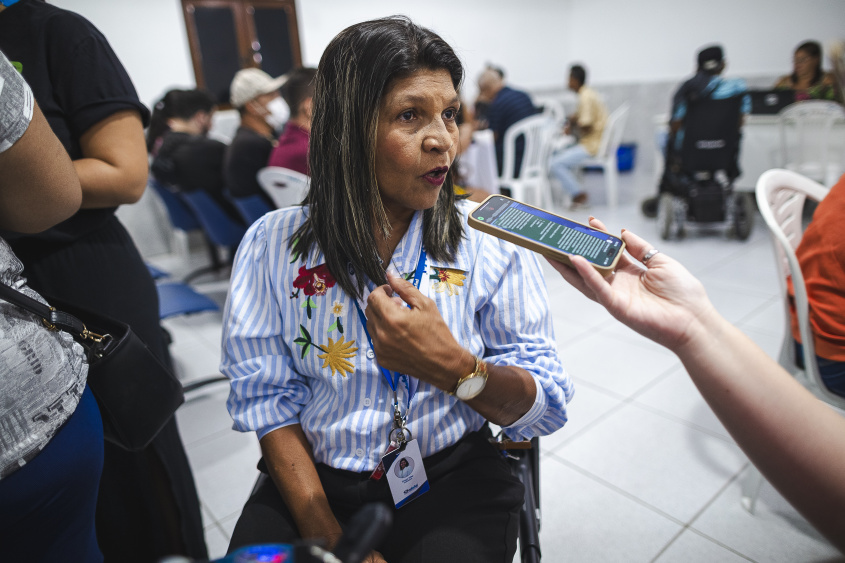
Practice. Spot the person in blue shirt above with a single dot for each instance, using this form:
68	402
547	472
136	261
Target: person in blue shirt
371	314
504	107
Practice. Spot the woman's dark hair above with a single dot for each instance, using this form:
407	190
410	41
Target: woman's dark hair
813	49
179	104
345	206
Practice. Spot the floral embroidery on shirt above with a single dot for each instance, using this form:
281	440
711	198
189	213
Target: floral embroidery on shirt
313	281
336	354
448	280
337	310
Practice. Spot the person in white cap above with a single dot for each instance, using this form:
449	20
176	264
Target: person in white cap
256	96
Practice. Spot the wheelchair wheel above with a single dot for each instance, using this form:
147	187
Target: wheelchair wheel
667	220
743	216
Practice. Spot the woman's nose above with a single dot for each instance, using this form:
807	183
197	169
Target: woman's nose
438	137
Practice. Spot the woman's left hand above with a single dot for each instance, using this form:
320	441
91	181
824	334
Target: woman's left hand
414	341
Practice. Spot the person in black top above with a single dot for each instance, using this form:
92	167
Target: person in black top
263	112
184	158
147	505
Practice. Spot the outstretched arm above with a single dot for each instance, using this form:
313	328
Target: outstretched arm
795	440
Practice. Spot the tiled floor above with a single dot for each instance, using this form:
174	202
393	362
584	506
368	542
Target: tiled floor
642	472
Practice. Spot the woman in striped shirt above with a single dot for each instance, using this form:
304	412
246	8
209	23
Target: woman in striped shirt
371	318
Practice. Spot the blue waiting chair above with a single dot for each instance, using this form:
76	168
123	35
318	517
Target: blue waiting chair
252	208
177	298
220	229
183	219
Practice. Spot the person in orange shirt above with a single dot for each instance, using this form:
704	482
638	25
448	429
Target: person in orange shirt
821	255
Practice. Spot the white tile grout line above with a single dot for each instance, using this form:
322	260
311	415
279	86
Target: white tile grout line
688	525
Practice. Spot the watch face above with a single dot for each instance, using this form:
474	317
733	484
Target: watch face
470	388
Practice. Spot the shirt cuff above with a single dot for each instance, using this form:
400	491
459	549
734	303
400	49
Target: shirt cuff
261	432
535	413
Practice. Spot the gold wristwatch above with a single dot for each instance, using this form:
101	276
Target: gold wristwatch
470	386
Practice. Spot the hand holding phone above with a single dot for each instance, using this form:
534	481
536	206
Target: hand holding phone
549	234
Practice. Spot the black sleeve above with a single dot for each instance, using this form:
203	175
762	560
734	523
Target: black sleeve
90	83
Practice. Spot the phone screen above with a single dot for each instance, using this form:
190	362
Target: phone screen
550	230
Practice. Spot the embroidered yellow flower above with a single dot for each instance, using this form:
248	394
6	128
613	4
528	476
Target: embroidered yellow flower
448	280
336	354
337	308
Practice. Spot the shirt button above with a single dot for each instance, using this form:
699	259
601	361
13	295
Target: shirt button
371	354
367	402
359	452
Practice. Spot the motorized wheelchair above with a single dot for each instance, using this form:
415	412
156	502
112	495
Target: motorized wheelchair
697	184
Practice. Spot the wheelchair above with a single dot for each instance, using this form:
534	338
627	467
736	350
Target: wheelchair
697	184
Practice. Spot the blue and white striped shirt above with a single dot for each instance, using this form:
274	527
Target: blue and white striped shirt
296	351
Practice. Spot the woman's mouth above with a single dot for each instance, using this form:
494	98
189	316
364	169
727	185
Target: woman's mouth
436	176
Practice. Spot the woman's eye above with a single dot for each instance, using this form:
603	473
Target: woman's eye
450	114
406	115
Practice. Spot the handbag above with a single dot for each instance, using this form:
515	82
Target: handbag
136	393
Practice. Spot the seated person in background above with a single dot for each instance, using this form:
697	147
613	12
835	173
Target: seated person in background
706	84
184	158
292	149
466	128
263	112
796	441
326	364
504	107
821	255
808	79
587	124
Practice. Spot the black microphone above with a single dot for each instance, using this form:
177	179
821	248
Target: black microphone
366	530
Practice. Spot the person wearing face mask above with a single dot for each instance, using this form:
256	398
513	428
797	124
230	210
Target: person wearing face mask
263	112
184	158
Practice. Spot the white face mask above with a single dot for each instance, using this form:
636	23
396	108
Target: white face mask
277	113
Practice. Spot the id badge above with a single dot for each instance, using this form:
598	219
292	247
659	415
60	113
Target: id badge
405	473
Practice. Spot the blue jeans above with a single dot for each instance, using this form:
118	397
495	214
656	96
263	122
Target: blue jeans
47	506
562	164
832	372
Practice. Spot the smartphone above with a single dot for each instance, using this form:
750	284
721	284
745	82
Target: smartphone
549	234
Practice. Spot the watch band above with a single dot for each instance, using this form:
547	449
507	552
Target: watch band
479	371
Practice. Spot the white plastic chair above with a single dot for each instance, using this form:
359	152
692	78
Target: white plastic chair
532	185
780	197
605	158
806	139
284	186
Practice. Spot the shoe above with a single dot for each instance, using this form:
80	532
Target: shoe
649	207
579	201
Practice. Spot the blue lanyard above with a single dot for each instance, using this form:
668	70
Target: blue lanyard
393	378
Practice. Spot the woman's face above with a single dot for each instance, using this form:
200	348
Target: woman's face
416	140
804	64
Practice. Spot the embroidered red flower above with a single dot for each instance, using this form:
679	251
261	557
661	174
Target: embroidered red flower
315	281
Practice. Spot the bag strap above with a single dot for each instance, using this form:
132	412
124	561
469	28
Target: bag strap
52	318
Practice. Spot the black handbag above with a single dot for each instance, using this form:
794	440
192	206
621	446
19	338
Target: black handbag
136	393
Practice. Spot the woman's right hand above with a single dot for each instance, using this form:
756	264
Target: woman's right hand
661	301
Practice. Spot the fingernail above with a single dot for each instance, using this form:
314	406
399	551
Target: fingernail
591	218
623	230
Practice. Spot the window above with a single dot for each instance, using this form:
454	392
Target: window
228	35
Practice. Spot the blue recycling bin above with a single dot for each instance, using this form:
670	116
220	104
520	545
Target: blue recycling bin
625	156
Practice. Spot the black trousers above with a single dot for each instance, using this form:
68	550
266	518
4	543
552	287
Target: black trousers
471	513
148	505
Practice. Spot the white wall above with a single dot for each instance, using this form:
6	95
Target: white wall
653	40
620	41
